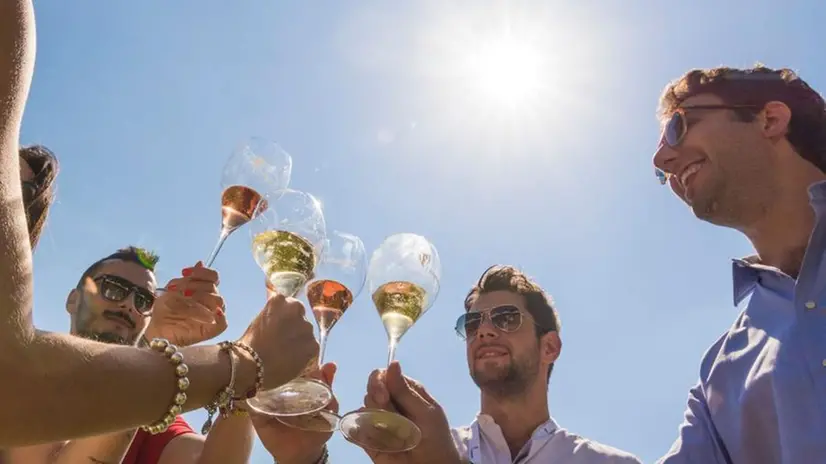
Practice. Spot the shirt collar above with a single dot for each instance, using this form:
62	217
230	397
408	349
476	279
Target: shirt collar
746	271
817	194
489	427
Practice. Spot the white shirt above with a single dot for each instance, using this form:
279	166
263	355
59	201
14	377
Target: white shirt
482	442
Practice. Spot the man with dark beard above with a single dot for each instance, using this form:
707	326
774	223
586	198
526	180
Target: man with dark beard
115	302
512	334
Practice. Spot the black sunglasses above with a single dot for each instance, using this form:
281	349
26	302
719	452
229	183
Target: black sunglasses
506	318
117	289
677	126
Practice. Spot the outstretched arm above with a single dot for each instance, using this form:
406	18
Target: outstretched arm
61	386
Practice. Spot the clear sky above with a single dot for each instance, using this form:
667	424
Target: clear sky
401	118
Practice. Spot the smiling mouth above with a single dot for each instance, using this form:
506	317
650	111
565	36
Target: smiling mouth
491	353
688	172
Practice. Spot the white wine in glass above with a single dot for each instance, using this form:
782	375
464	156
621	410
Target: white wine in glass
339	278
403	276
287	259
256	172
287	241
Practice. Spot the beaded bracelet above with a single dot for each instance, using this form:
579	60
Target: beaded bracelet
223	401
175	356
259	371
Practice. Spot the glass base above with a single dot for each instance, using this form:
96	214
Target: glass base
321	421
296	398
380	430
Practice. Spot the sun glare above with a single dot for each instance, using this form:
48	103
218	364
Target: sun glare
506	71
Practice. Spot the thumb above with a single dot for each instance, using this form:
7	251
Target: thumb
406	399
328	373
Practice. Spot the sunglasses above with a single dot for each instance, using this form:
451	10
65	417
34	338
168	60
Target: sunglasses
505	318
30	190
117	289
676	128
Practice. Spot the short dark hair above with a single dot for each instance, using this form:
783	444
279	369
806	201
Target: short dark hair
538	303
755	87
130	254
43	163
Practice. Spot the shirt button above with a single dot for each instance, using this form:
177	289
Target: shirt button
811	305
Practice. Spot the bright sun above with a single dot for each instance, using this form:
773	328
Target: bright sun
506	71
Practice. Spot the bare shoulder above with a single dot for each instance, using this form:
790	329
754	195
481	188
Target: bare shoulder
183	449
590	451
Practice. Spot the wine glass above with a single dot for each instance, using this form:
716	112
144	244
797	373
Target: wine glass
339	278
287	241
403	278
255	174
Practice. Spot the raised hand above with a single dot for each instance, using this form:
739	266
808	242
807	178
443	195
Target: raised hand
290	445
390	390
283	338
191	310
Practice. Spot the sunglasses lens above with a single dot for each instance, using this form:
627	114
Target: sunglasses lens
468	324
143	303
506	318
662	176
674	129
112	291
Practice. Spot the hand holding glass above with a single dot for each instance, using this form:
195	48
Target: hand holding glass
339	278
287	240
403	277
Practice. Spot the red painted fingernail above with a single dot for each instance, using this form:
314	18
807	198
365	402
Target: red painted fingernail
187	272
189	292
171	287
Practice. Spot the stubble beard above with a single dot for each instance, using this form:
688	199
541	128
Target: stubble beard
512	380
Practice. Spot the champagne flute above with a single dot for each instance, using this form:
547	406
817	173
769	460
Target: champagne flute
256	172
339	279
287	241
403	278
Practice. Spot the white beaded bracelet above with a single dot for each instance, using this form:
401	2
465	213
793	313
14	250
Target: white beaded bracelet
175	356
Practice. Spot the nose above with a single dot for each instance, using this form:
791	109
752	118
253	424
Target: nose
129	305
486	330
665	158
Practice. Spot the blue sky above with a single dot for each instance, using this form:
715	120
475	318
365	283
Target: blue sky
144	101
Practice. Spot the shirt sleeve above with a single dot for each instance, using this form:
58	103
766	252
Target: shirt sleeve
153	445
698	441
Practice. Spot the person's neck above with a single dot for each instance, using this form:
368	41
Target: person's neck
781	235
518	415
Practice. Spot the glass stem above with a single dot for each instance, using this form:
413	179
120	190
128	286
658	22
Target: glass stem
221	239
322	346
391	350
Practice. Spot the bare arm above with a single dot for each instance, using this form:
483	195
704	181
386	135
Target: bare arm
60	386
65	387
108	448
229	442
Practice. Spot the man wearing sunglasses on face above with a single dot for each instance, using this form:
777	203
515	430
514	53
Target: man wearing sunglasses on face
746	149
512	337
115	302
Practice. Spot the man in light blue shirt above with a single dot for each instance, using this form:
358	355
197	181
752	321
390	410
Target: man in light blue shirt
746	149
